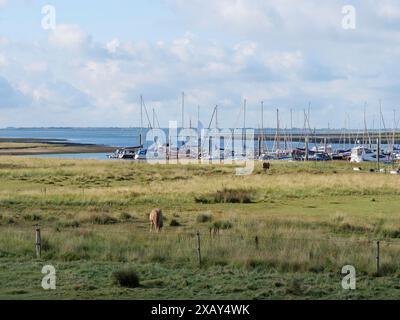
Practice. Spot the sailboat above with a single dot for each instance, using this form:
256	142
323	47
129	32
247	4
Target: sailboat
210	154
137	152
365	153
277	153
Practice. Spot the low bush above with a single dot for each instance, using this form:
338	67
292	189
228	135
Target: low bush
203	218
102	219
32	217
223	225
124	216
174	223
66	224
227	195
126	278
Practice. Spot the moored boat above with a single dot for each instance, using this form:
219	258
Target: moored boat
362	154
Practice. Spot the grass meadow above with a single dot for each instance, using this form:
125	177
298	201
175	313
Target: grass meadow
310	219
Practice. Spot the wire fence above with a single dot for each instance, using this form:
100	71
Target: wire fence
213	246
210	234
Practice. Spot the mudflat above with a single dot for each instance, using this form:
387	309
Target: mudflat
29	146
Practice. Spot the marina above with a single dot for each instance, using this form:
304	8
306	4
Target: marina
123	143
294	144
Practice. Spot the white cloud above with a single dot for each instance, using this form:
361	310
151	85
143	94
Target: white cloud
113	45
389	9
283	52
183	48
244	50
37	66
11	96
3	60
68	36
237	15
284	61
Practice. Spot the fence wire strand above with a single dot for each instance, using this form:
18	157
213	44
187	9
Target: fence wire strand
210	235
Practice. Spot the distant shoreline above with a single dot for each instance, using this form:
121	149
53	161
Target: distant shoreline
38	146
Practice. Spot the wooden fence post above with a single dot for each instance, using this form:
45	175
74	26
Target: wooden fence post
377	257
198	248
38	242
256	242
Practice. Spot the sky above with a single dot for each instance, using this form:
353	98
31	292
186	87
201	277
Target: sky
101	56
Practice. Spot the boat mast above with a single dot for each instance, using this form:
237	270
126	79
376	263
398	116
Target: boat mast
277	130
244	126
244	114
285	139
306	138
183	110
216	117
262	116
365	125
141	121
380	133
308	117
305	125
199	145
394	129
262	126
346	129
198	116
291	128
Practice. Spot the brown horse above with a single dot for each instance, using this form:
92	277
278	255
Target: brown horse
156	220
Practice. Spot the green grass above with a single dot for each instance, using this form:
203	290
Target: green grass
310	219
88	279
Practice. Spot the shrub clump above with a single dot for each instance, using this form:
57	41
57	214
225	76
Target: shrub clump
390	234
9	220
295	287
174	223
227	195
72	224
222	225
32	217
124	216
102	219
46	246
126	278
203	218
66	224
